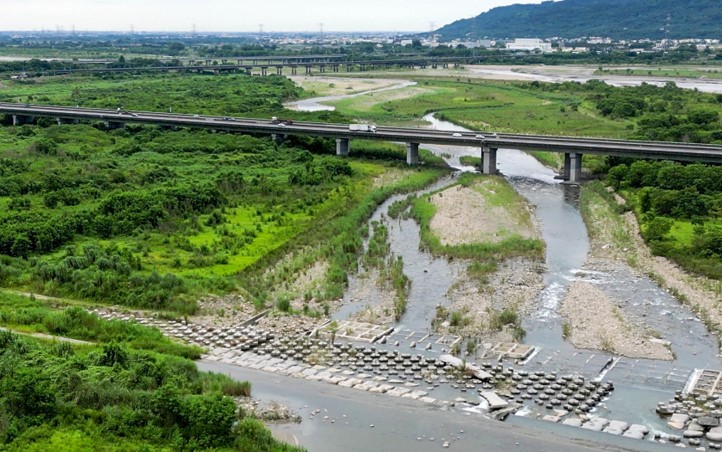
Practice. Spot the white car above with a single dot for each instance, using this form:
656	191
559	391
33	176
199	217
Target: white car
481	137
456	134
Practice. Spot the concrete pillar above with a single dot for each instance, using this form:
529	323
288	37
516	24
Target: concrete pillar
573	167
112	125
412	153
488	160
62	121
278	137
293	70
279	70
308	70
264	71
342	147
19	120
567	167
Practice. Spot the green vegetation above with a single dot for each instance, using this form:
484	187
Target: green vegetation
153	218
133	390
485	255
507	319
619	19
595	109
390	267
679	209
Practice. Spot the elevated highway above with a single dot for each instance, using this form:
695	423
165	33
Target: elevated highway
573	148
276	64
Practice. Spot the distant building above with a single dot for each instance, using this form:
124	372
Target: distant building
574	49
531	45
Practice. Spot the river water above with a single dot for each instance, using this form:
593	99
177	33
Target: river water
640	383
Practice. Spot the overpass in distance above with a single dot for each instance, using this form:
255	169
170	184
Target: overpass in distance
332	63
489	144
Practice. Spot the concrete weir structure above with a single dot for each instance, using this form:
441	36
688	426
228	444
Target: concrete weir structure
489	144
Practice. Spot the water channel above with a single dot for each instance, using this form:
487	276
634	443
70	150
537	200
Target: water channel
640	383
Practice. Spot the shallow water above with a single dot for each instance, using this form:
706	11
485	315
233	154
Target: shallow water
640	383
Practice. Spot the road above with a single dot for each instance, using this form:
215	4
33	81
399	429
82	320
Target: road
626	148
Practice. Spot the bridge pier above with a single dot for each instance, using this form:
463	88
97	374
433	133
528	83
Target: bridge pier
488	160
279	70
278	137
412	153
62	121
112	125
264	71
572	167
342	147
293	70
308	70
19	120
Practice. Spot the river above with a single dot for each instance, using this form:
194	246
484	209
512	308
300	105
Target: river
640	383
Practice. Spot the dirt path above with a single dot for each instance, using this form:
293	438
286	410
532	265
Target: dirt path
48	337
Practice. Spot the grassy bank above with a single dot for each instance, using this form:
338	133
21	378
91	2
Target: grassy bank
132	389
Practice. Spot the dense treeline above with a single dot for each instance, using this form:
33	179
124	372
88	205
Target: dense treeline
136	391
679	207
618	19
153	218
658	113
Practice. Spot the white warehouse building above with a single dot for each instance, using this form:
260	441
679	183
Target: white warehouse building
529	44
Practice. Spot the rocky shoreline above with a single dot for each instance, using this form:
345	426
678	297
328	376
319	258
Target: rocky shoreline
597	323
616	241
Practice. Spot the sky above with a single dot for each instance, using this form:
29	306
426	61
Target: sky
239	15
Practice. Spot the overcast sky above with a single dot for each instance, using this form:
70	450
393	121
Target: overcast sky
239	15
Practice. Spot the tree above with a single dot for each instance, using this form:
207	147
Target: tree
657	228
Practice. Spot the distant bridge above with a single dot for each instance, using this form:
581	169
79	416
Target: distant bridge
276	64
573	148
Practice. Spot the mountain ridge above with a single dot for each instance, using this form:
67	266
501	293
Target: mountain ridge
617	19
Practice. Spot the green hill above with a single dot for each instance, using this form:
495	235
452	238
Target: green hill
618	19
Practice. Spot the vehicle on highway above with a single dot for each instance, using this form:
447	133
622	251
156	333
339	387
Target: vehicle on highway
456	134
285	122
362	128
196	116
481	137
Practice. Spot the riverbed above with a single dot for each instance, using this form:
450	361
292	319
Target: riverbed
567	246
